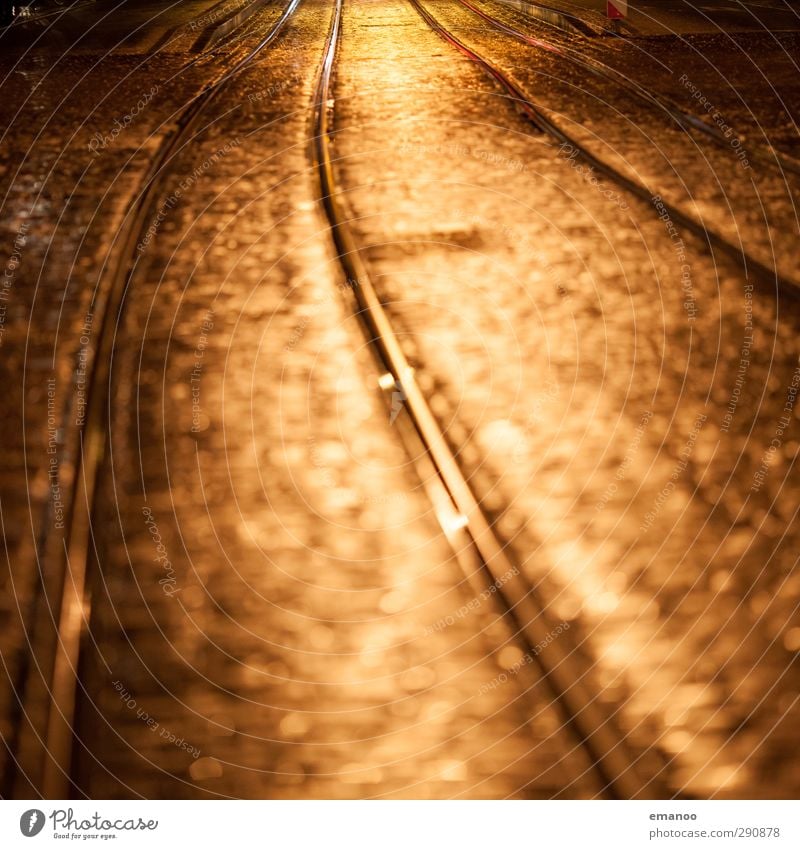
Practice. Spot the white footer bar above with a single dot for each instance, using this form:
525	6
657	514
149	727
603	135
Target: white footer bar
403	825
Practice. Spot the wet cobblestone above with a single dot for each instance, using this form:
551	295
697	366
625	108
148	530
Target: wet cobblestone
293	642
275	612
587	389
74	154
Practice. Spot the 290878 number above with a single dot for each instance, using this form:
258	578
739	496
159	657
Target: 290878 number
758	832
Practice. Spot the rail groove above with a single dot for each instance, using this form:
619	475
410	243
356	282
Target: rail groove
753	269
769	157
57	740
479	550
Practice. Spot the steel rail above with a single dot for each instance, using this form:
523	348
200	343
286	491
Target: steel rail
752	267
685	120
75	603
559	19
479	550
218	36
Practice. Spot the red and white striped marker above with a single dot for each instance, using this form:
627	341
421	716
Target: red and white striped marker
616	9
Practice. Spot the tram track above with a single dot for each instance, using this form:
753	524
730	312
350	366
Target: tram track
754	270
685	120
482	554
53	738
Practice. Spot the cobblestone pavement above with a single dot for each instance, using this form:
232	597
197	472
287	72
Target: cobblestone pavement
294	644
275	611
614	391
73	156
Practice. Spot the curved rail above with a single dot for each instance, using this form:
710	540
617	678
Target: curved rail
686	120
752	267
75	603
478	548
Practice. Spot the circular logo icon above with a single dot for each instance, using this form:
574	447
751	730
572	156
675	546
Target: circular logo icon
31	822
